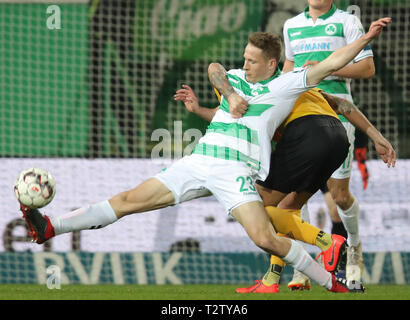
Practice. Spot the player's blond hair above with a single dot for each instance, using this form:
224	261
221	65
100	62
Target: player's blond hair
270	44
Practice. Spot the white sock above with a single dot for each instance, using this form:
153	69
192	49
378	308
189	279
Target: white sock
299	259
350	219
92	217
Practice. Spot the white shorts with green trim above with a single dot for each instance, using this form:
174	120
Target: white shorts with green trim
196	176
345	170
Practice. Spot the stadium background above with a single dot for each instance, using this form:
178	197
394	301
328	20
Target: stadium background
91	101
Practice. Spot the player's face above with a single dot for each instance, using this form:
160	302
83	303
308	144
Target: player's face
257	67
320	4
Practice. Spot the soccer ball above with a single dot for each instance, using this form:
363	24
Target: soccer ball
35	188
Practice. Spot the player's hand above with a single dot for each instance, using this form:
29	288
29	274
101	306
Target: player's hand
361	156
237	105
188	97
376	27
386	151
309	63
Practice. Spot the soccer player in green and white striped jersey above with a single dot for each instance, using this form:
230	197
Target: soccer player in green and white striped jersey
310	37
225	167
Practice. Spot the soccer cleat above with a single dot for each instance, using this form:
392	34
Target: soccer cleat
355	264
248	289
334	258
259	287
342	286
299	282
40	226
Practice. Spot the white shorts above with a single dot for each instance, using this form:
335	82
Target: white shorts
197	176
345	170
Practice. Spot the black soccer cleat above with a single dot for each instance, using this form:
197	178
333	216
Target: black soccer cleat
40	226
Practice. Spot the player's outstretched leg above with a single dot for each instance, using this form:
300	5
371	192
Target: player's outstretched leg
149	195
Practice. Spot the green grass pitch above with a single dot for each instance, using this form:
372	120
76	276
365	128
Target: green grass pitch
190	292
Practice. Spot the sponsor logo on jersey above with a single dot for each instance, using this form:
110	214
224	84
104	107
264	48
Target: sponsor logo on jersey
311	46
294	34
259	90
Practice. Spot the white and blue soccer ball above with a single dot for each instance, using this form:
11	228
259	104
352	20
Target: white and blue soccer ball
35	188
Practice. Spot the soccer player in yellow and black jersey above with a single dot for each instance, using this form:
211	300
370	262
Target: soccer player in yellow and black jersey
312	144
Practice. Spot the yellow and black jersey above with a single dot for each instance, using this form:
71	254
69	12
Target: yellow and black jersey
311	102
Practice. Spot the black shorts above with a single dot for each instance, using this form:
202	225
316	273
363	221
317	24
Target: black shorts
324	188
311	149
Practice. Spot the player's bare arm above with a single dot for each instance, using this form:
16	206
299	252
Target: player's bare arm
188	97
289	66
343	56
218	78
359	120
363	69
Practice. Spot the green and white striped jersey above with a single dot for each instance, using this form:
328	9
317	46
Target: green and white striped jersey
248	139
308	40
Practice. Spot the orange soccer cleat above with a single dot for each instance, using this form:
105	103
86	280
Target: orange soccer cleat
334	258
259	287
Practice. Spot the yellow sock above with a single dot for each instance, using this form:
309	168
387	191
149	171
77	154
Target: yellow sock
289	222
323	240
276	266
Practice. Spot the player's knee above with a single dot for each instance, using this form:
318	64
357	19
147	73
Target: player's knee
266	241
122	197
342	197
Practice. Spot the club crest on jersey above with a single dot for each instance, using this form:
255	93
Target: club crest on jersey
259	90
330	29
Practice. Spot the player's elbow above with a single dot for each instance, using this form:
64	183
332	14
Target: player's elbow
213	67
369	69
370	72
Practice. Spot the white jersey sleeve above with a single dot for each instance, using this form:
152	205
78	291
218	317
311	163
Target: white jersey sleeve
353	30
292	84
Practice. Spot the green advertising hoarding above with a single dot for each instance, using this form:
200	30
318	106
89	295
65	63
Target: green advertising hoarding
43	81
86	89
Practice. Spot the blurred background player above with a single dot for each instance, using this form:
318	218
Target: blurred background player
310	37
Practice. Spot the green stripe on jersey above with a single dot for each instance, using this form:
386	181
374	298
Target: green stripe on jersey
326	30
342	118
225	153
239	84
234	130
242	85
334	86
301	58
253	109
